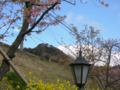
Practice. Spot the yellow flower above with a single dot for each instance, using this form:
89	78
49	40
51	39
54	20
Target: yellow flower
34	78
73	86
30	80
27	89
40	81
6	78
28	85
41	86
58	80
68	82
18	87
9	86
30	73
35	88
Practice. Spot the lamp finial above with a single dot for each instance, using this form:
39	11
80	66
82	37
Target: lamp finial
80	52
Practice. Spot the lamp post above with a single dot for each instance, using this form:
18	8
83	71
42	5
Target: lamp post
80	68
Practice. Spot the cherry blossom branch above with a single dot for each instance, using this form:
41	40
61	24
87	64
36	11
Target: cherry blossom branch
7	29
113	82
40	4
40	18
102	2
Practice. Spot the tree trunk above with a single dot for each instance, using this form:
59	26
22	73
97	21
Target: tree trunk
5	66
21	46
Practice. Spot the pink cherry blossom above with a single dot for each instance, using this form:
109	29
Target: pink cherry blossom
28	12
7	17
44	7
37	32
29	34
106	5
31	24
10	11
34	14
102	2
27	29
30	20
59	1
35	9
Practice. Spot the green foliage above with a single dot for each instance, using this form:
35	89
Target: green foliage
46	51
15	81
46	57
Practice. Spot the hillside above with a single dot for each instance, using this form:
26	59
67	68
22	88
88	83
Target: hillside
41	69
49	52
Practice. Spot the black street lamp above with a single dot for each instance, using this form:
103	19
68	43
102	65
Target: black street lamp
80	68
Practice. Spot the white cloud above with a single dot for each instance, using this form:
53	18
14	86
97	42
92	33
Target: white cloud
69	18
16	29
79	18
95	24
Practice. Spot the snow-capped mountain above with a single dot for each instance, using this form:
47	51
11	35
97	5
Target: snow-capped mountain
73	52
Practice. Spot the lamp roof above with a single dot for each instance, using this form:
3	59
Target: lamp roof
80	60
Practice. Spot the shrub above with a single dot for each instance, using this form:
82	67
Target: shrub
15	81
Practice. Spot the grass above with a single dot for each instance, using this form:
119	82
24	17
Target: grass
41	69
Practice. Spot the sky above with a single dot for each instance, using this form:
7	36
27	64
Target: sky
106	19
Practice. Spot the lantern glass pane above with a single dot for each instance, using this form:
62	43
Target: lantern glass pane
73	72
85	72
78	73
